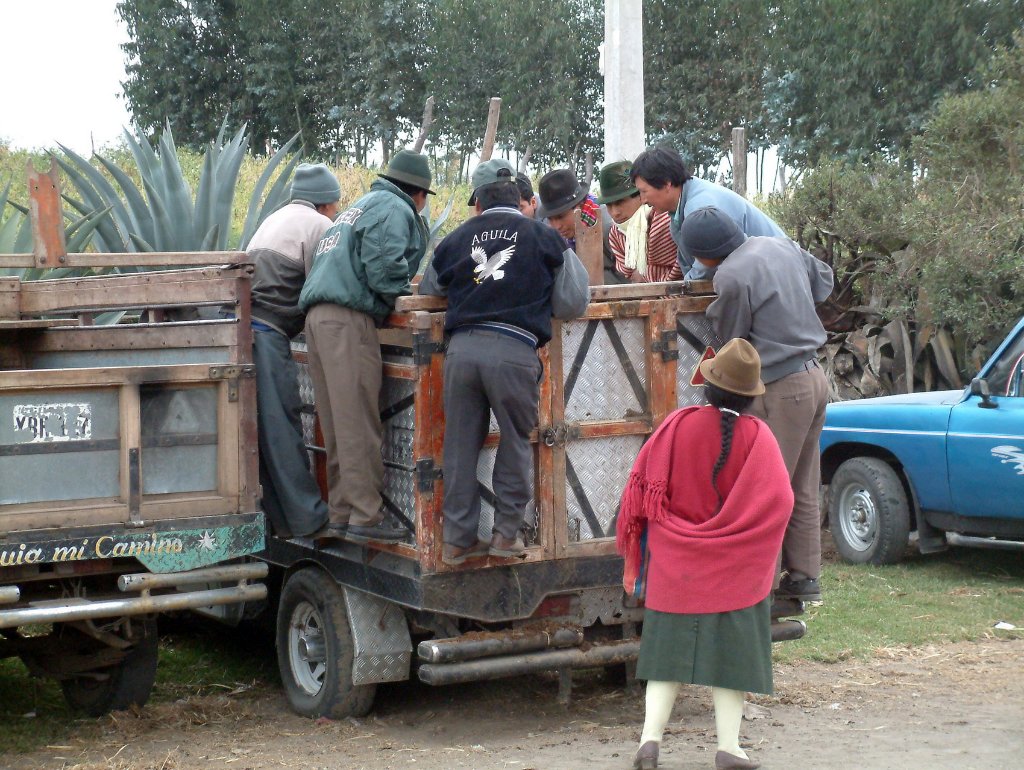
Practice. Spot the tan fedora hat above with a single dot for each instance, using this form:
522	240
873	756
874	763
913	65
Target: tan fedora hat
736	368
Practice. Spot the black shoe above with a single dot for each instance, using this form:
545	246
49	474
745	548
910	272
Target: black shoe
379	532
328	533
806	590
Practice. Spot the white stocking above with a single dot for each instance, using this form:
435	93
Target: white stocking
728	715
661	697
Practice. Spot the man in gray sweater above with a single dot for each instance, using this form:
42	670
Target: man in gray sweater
282	250
767	289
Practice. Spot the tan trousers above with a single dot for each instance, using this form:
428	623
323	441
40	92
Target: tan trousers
345	366
794	408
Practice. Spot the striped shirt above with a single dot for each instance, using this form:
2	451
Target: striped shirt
662	264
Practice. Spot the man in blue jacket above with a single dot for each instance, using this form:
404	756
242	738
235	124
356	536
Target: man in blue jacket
667	185
363	264
505	276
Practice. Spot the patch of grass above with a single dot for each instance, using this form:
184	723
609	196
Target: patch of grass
955	596
199	662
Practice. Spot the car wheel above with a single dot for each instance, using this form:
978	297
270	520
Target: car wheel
315	649
868	512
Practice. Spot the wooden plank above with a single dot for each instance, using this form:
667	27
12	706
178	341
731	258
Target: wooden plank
211	334
46	215
661	375
401	371
428	445
610	428
10	299
126	260
590	249
419	302
652	290
37	323
154	289
130	406
555	525
41	379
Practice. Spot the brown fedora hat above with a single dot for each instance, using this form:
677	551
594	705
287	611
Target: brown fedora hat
736	368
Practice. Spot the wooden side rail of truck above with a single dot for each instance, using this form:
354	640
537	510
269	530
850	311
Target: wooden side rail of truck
128	466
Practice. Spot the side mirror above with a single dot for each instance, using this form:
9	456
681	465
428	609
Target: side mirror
979	387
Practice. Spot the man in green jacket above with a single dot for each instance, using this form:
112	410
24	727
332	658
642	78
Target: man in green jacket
363	264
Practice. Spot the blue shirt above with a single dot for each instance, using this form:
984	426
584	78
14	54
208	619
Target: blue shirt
698	194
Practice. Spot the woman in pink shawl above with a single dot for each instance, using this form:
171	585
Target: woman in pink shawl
700	527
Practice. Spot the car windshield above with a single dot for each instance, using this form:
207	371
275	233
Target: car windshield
999	375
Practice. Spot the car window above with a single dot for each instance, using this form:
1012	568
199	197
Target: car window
1001	381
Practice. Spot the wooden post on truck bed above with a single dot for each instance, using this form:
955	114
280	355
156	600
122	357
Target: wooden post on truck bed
48	246
590	249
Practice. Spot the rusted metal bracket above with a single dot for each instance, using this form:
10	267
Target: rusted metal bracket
424	348
667	345
232	374
427	474
559	434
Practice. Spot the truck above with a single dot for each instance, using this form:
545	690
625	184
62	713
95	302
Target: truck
946	467
350	616
128	468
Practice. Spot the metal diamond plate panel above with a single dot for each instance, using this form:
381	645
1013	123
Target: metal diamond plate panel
398	415
601	466
695	335
305	393
613	369
484	469
383	648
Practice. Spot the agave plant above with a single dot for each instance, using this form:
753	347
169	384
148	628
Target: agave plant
166	218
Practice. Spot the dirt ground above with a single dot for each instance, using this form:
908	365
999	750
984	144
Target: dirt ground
957	706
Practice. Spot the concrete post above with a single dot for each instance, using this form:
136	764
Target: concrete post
624	135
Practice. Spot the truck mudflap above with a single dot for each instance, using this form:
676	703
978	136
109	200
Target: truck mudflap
66	610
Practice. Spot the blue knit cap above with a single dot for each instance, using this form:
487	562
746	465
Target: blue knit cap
315	183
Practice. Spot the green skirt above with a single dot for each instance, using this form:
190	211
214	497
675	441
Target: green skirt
719	649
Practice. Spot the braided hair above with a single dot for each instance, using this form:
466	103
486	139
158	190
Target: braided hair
730	406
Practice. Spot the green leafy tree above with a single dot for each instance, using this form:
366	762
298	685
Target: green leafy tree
703	70
853	77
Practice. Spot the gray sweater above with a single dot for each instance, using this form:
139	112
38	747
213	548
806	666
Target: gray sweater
282	250
767	290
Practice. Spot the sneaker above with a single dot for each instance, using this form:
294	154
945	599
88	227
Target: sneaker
806	590
453	555
379	532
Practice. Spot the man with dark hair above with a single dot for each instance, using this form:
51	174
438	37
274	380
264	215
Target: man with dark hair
527	200
363	264
505	276
667	185
561	195
282	252
767	289
640	241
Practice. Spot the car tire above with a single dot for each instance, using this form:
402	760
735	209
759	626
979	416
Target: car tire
315	649
868	512
127	683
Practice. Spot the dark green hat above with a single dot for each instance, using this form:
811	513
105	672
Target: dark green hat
409	167
615	182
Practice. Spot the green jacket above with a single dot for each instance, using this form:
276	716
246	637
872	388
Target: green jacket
367	257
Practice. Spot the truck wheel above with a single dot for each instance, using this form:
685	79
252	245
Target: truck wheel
315	649
128	683
868	512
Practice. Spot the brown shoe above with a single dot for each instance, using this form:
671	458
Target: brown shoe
453	556
726	761
506	547
646	756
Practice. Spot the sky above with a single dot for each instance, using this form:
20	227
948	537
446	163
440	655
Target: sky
63	67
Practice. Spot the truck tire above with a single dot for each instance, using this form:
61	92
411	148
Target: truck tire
315	649
128	683
868	512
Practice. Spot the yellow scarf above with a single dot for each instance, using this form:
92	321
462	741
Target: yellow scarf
635	230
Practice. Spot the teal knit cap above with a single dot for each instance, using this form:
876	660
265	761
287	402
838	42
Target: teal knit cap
315	183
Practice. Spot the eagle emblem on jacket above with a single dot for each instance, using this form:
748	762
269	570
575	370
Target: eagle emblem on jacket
490	267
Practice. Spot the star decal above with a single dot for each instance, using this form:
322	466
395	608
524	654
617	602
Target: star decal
206	542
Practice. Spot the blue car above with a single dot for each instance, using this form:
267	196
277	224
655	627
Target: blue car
948	466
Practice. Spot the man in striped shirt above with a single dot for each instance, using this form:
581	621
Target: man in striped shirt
641	240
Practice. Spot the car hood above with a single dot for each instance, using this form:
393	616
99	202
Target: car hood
935	398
